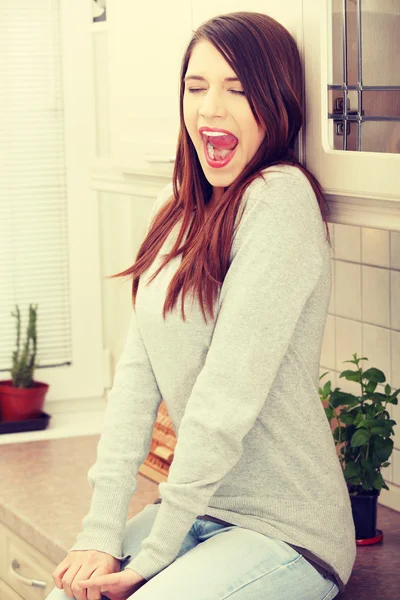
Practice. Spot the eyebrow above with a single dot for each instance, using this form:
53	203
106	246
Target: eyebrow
199	78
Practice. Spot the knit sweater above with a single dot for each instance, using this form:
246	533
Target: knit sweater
254	446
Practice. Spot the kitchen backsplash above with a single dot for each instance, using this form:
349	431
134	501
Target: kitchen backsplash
364	313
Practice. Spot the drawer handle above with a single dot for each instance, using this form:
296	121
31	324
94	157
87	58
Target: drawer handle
31	582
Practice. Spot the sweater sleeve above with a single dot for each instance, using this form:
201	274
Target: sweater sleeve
124	444
273	272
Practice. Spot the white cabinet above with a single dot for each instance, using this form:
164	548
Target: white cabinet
288	13
24	572
145	46
6	593
144	49
146	42
361	178
137	57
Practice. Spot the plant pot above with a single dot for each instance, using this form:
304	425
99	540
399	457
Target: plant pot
18	404
364	508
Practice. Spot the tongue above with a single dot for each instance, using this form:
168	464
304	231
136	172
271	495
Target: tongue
227	142
221	153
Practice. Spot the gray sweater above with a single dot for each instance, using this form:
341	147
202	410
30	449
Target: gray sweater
254	446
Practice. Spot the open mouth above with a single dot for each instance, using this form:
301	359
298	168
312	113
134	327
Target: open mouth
219	148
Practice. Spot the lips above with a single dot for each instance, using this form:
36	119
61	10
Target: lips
225	141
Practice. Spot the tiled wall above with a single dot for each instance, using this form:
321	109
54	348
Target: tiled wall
364	314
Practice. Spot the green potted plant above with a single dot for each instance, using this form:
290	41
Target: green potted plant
21	397
363	439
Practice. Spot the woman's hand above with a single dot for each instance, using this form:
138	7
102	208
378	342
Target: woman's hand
116	586
79	565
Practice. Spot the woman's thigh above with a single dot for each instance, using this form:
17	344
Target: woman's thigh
239	564
139	527
136	530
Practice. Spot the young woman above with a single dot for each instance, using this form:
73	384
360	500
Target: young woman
255	505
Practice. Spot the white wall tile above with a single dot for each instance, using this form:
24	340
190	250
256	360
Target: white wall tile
376	347
395	414
375	295
395	300
347	290
347	242
395	249
332	303
375	247
328	344
330	376
387	472
395	458
348	342
395	337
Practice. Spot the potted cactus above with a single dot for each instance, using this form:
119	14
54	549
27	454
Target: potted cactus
363	439
21	397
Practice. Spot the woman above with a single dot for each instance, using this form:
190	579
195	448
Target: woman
255	505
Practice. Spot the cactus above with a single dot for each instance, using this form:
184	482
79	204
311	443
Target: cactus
24	360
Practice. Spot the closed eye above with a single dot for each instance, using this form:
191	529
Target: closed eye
194	90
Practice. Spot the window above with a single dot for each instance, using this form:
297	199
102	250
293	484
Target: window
34	263
49	222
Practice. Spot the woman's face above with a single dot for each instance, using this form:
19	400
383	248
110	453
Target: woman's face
217	103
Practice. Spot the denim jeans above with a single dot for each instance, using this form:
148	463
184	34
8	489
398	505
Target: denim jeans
217	561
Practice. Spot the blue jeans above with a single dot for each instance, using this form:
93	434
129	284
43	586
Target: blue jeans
217	561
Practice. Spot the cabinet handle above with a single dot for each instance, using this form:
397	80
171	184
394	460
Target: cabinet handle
31	582
159	159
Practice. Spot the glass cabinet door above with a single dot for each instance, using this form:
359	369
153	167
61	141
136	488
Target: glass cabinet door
351	52
364	79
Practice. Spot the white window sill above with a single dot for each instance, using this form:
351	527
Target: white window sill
69	418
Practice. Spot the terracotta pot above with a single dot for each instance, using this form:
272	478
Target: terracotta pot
18	404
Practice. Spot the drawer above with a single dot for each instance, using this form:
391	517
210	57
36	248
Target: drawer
23	568
6	593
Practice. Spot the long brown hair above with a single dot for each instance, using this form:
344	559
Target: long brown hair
265	57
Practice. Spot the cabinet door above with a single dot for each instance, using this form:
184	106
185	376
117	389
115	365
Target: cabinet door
6	593
353	147
146	45
25	570
288	13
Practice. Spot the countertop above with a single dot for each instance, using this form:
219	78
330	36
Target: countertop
44	492
44	495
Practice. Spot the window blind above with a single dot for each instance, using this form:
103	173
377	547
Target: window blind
33	196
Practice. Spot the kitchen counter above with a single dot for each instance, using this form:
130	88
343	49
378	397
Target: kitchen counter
44	492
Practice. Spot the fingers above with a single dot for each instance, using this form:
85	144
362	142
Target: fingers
94	586
70	588
93	593
83	566
59	571
100	581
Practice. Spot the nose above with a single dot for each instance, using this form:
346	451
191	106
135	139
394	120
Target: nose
212	105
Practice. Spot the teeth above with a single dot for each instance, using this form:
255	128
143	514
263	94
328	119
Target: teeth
210	150
213	133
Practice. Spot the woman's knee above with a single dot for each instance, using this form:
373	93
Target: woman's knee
57	594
